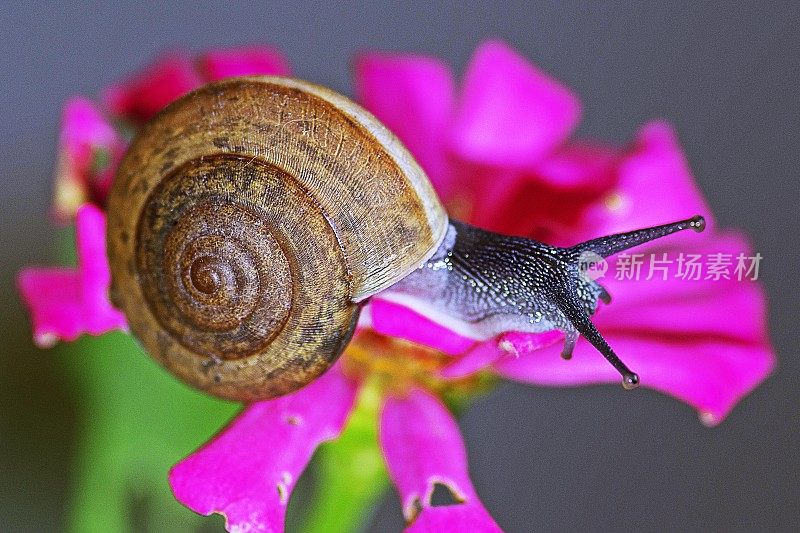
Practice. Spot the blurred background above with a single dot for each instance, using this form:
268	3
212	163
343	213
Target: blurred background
725	74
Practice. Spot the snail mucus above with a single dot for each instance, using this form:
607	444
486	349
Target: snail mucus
251	220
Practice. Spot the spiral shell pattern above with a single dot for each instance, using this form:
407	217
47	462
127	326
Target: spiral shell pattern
248	220
231	283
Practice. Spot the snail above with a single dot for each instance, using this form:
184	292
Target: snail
251	220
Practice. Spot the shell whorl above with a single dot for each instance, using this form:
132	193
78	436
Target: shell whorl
247	220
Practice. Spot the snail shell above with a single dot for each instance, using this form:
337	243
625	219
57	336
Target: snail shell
247	221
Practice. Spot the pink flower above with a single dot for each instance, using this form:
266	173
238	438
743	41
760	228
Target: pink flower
566	191
499	152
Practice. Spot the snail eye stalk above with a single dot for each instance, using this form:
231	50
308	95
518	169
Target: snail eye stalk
570	304
613	244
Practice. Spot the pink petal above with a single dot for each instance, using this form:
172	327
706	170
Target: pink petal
85	134
95	273
53	298
710	374
677	306
423	447
248	471
491	194
577	165
145	94
511	113
65	303
84	126
508	344
704	342
244	61
655	186
394	320
413	96
546	202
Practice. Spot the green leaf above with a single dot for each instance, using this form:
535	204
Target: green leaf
137	422
350	472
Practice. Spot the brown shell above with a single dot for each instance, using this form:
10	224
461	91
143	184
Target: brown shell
246	222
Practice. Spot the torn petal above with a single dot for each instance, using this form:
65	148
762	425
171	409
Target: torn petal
510	113
244	61
413	96
455	519
423	447
64	303
248	471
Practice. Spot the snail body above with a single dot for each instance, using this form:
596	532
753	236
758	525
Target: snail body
250	220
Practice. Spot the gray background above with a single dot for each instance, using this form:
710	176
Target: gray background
589	459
